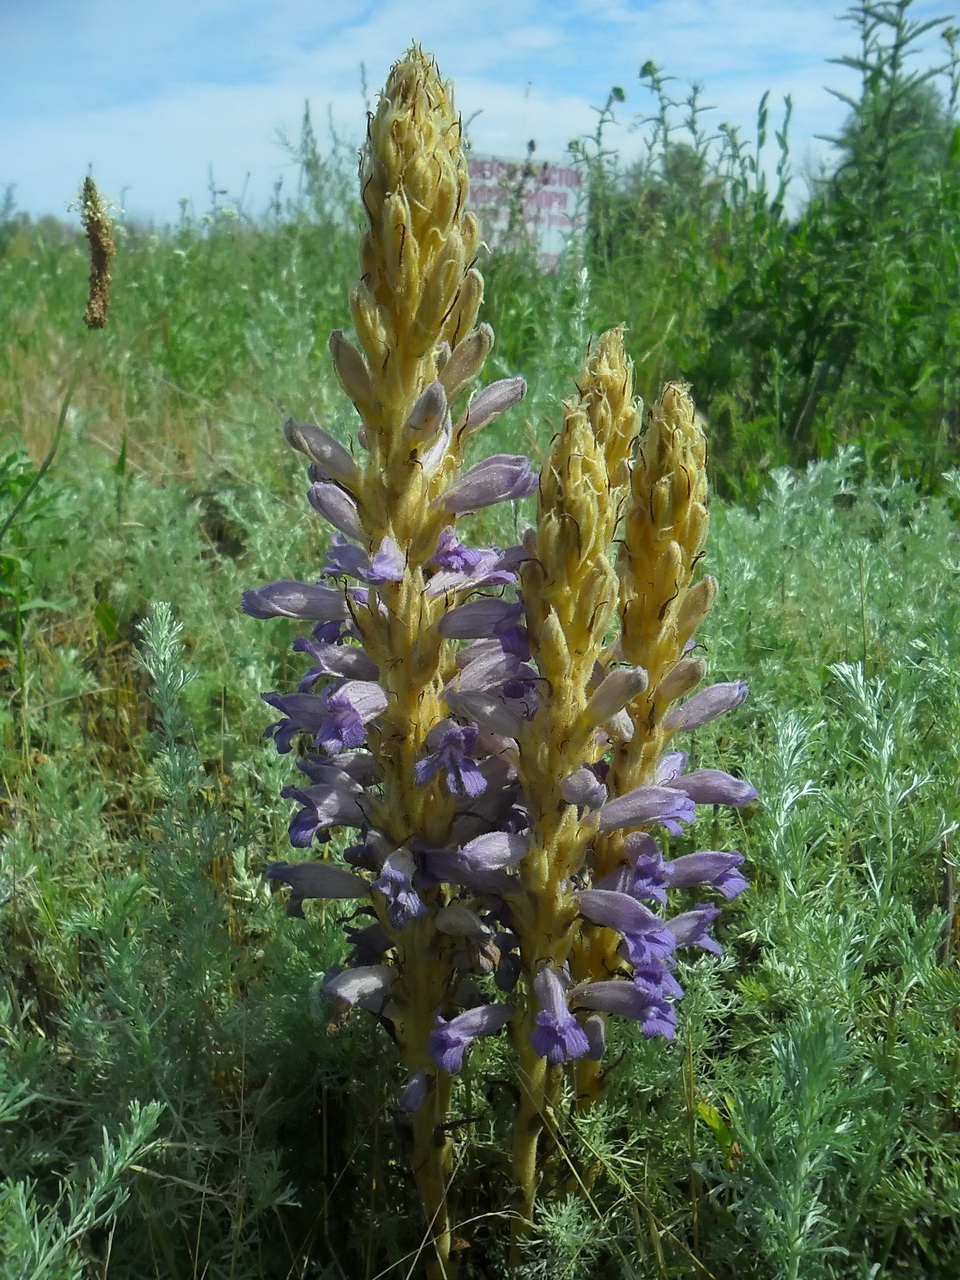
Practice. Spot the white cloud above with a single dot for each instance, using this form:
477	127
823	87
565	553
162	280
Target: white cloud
153	95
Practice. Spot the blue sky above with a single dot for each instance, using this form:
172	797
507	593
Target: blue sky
150	93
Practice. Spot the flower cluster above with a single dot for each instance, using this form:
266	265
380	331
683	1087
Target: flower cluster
494	723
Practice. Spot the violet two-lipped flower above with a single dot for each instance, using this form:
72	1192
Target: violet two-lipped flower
451	1036
395	883
454	747
557	1035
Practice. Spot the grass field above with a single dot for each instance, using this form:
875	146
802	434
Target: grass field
172	1101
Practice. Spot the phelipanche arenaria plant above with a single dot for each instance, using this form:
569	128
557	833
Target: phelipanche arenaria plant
501	727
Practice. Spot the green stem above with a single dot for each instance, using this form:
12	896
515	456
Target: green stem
433	1169
528	1125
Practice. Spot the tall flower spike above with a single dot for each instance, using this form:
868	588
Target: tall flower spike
381	691
664	532
570	592
502	760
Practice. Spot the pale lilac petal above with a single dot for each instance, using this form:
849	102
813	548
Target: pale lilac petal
706	705
494	850
387	563
557	1036
330	457
501	478
489	403
431	457
428	413
595	1029
683	678
485	665
289	599
708	867
691	928
315	880
584	789
619	996
713	786
646	805
335	660
460	922
414	1092
337	507
479	619
330	803
487	710
368	986
450	1038
345	560
670	766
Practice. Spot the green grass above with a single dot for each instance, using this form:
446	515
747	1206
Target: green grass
172	1101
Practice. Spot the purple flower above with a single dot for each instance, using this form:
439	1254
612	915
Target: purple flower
645	874
369	944
489	403
455	755
428	413
338	717
657	982
359	766
327	633
584	789
649	878
659	1019
330	457
557	1035
709	867
494	850
288	599
656	1017
315	880
488	618
387	563
335	505
368	986
345	560
646	805
487	709
396	884
450	1038
646	937
349	710
706	705
500	478
453	555
414	1091
670	766
331	802
334	660
691	929
488	571
713	786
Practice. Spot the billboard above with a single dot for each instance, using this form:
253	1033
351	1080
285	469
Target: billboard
513	197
